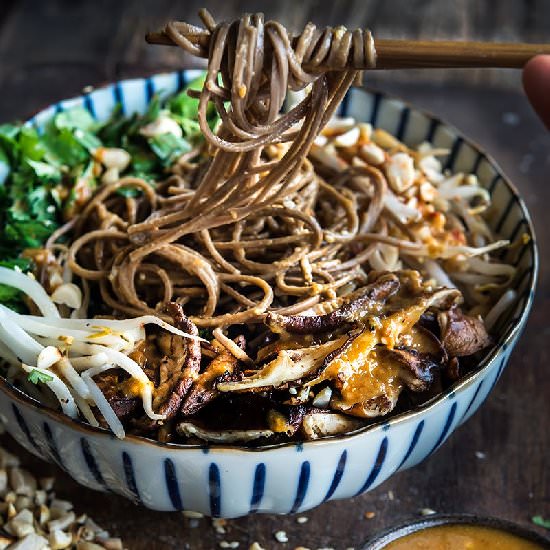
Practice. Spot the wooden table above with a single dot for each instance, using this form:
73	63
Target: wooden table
497	463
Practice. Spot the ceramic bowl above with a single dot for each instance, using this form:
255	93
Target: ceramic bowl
380	541
231	481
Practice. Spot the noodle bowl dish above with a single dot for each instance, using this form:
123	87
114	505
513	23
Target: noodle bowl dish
255	288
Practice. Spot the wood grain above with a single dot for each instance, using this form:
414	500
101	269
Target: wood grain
497	463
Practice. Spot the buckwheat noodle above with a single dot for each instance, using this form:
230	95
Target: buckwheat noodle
252	225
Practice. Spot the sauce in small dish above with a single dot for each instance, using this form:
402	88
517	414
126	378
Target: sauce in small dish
458	532
462	537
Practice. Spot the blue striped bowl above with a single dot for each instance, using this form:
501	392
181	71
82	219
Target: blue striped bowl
287	478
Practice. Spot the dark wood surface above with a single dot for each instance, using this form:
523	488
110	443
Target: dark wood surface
496	464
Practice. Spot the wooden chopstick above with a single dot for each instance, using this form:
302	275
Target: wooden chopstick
413	54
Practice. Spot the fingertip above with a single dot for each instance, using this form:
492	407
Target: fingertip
536	82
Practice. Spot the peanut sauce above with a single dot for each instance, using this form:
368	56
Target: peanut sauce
462	537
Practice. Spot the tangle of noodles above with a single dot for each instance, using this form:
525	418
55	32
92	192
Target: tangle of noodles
257	182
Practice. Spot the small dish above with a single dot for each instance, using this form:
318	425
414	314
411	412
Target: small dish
395	533
232	481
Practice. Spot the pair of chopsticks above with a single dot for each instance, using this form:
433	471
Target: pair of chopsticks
413	54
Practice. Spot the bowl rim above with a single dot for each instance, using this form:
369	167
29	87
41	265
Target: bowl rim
392	534
513	330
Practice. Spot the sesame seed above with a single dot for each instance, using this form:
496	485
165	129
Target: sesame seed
280	536
302	519
481	455
427	512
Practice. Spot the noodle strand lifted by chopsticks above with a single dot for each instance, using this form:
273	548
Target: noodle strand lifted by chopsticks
251	64
256	224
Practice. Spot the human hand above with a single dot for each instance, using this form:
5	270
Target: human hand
536	82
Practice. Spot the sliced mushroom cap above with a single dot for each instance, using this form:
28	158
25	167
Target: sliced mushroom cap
366	301
287	422
425	341
220	369
189	429
289	365
418	368
368	407
181	364
317	424
461	334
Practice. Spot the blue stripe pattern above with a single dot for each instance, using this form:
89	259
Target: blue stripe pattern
23	425
472	401
479	158
182	80
414	441
378	463
493	184
446	428
501	366
258	487
172	484
375	108
403	123
89	105
432	129
499	372
303	483
92	463
130	475
215	489
149	89
52	445
119	97
337	477
455	149
505	214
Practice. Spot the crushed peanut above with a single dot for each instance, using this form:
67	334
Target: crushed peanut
32	518
280	536
219	525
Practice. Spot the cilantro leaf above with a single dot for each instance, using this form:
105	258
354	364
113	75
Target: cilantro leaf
28	233
8	139
36	377
89	141
168	147
45	171
114	129
541	522
24	264
64	149
76	117
30	145
152	113
184	105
